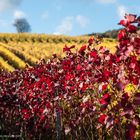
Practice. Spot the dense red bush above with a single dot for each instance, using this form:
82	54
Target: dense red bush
88	94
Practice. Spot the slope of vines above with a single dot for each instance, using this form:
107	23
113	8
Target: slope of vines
21	49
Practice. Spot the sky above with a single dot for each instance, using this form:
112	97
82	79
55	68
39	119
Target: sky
68	17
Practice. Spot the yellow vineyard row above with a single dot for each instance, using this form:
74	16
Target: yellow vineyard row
4	65
43	38
29	59
11	58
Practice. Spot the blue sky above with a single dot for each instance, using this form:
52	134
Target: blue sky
69	17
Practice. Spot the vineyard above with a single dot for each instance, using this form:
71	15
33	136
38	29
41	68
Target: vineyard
90	92
19	50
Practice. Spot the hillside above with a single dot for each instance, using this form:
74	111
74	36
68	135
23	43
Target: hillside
19	50
107	34
110	33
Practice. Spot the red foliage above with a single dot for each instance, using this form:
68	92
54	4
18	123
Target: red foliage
122	34
101	119
86	88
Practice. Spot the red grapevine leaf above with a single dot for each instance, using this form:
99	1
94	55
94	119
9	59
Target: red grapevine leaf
137	99
82	49
123	22
121	34
130	17
130	131
102	118
131	28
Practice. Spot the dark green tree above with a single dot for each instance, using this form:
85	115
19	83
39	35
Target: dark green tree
22	25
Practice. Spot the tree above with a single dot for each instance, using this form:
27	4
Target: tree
22	25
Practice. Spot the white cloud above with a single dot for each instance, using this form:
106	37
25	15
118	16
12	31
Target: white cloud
82	21
45	16
65	26
106	1
9	4
19	14
122	10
